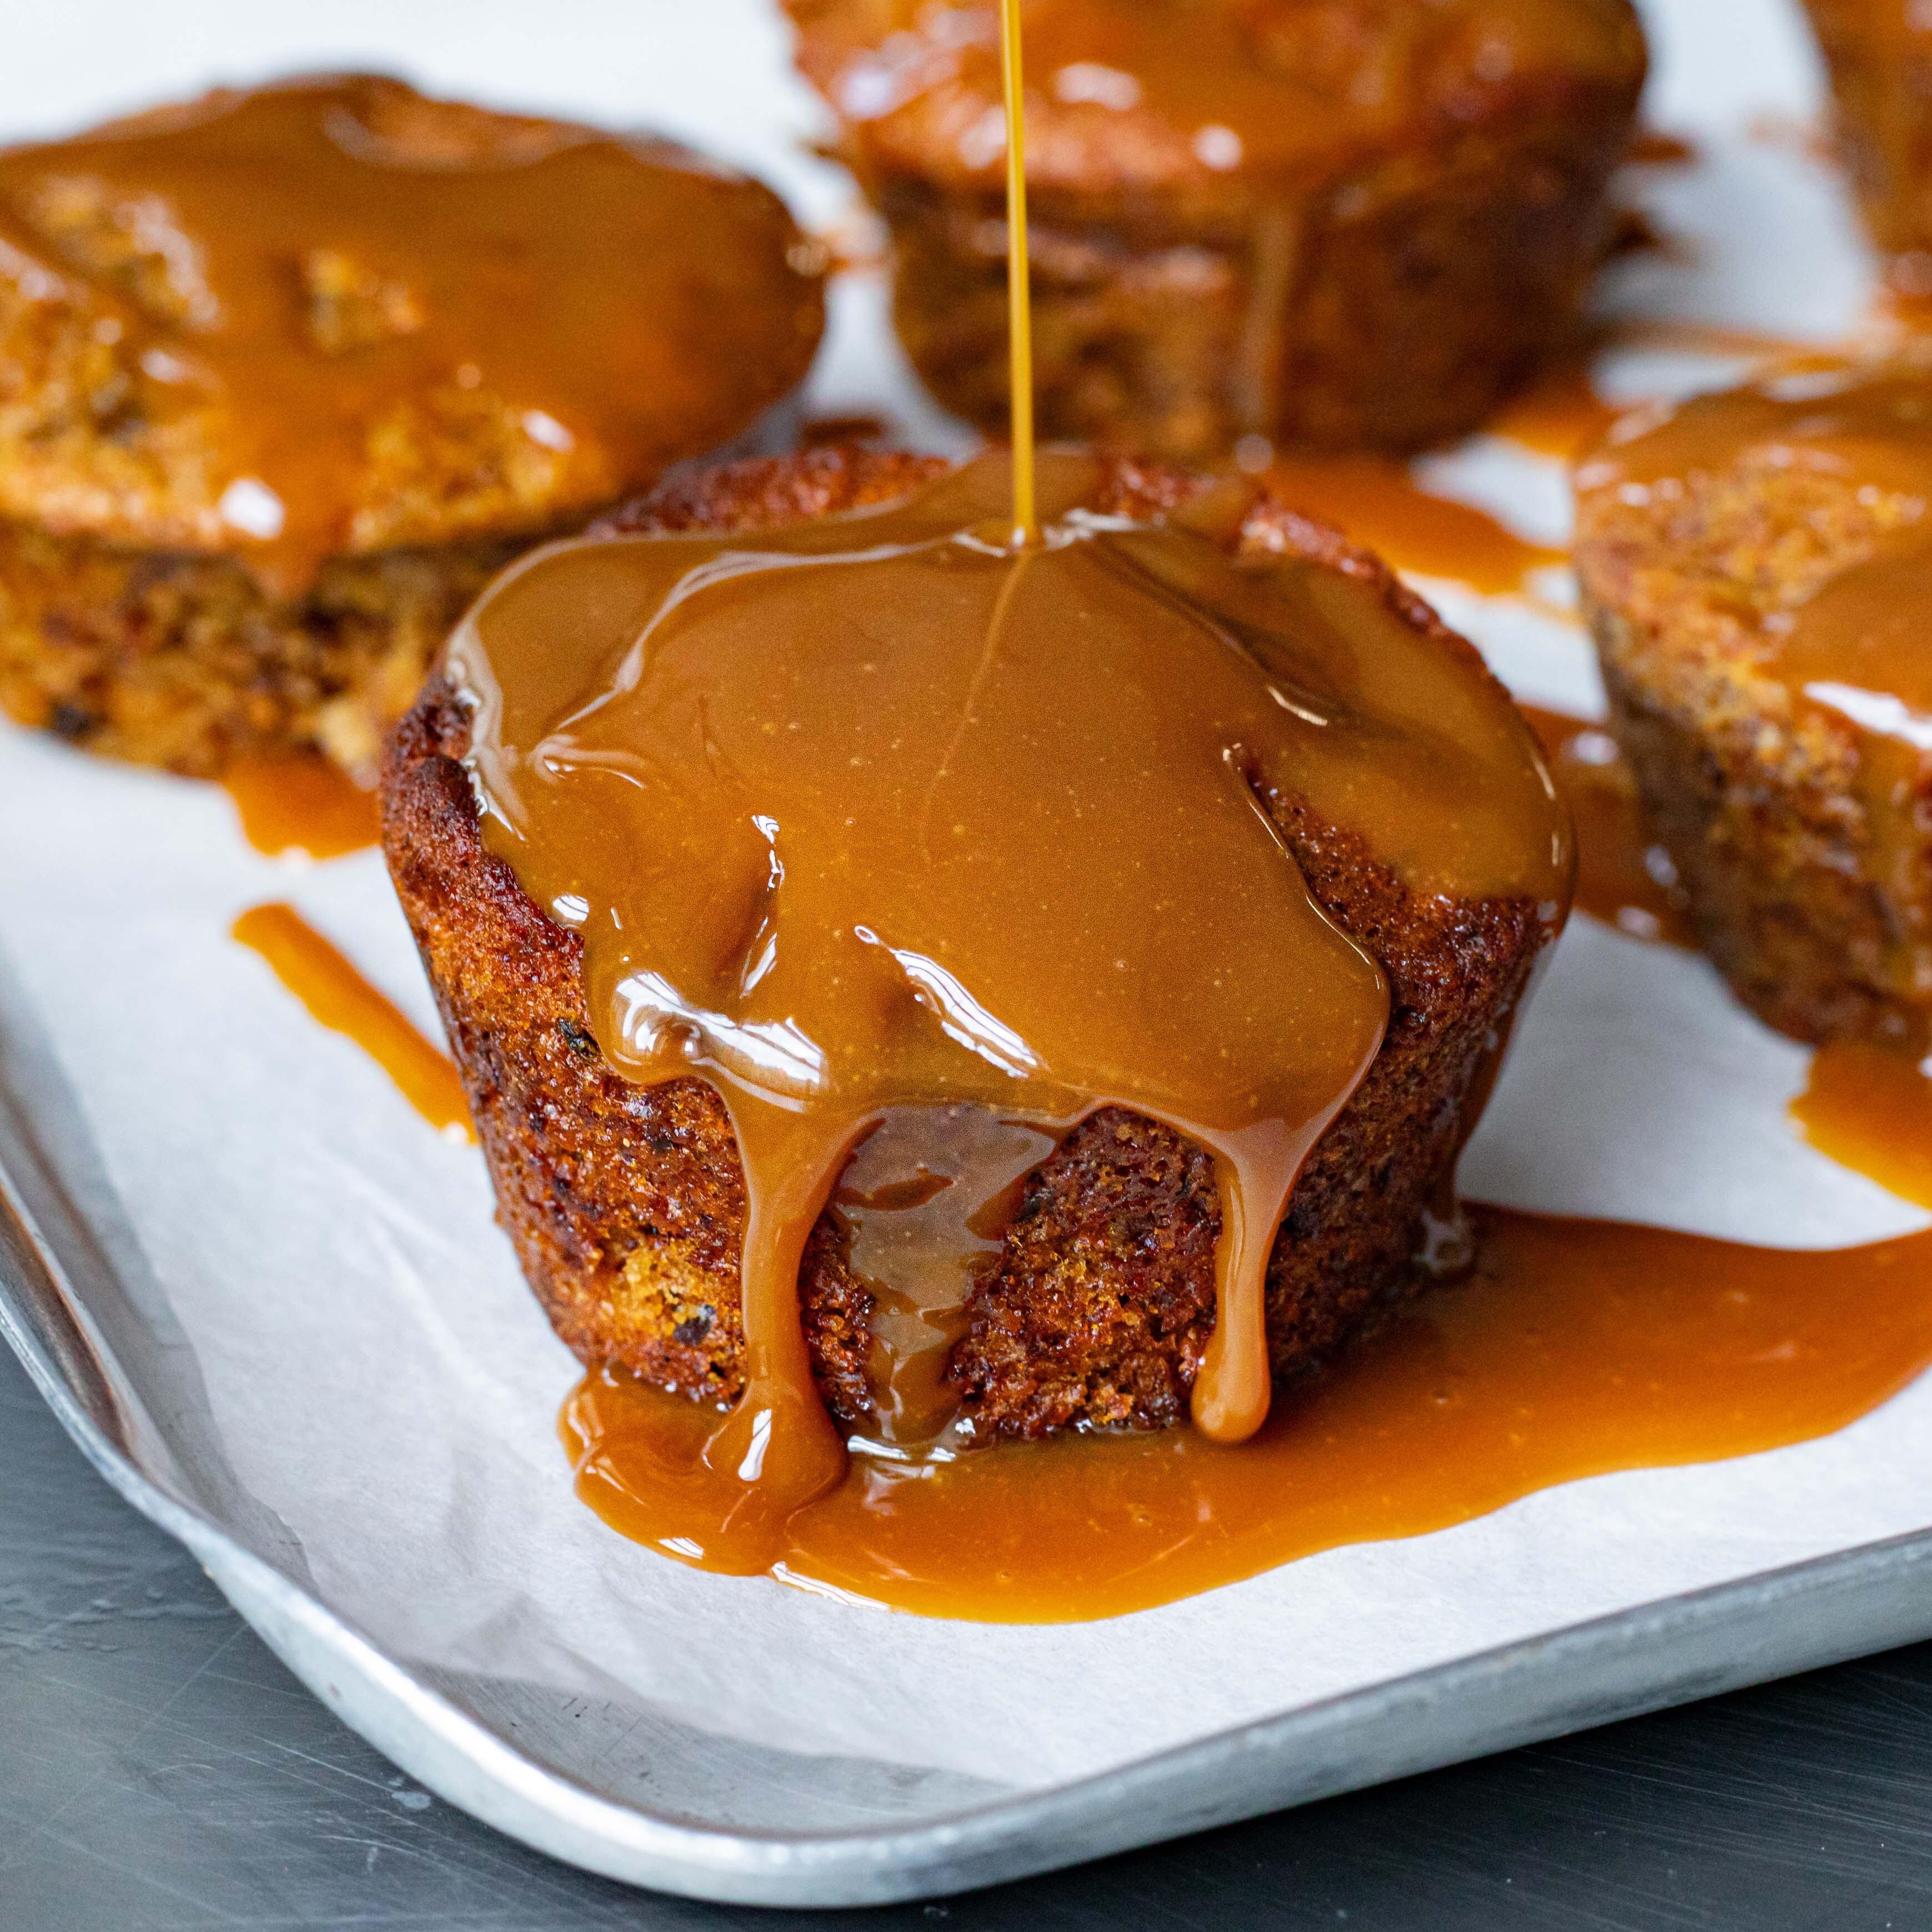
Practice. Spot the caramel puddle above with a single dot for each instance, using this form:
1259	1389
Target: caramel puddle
1559	415
1579	1348
301	802
336	995
1376	502
1869	1107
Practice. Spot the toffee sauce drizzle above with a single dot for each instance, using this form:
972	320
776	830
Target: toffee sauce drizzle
338	996
1576	1348
300	801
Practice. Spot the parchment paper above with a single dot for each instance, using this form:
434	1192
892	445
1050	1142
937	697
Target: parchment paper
381	1381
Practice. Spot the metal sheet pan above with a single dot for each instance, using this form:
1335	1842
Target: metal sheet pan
634	1792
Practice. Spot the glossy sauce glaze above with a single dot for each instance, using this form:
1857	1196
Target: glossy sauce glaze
338	996
1577	1348
315	277
301	802
1559	415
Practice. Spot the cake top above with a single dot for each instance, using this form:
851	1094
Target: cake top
334	315
1126	93
880	812
1798	505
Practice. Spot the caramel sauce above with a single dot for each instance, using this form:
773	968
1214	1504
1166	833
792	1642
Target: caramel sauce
1867	1105
923	831
1377	502
301	802
322	275
1577	1348
913	908
1622	877
1019	281
1559	415
1848	646
336	995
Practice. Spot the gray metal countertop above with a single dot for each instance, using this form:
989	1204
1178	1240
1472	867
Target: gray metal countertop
160	1771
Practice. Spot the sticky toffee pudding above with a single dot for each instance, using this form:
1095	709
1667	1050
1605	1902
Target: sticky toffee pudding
1165	886
286	375
1359	225
1757	566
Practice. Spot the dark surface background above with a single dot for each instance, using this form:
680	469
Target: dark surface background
160	1771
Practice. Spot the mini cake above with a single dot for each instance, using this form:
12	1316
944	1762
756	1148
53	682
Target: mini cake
1879	55
1093	1297
286	375
1757	569
1357	224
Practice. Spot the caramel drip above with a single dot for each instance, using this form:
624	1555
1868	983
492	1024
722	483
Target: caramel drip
1651	147
1019	278
1623	877
918	1245
336	995
1379	504
879	812
1868	1104
1842	624
356	300
1579	1348
301	802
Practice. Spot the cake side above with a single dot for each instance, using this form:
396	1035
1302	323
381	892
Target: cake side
186	662
626	1203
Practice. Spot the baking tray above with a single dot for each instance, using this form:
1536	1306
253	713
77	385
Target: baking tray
639	1796
604	1779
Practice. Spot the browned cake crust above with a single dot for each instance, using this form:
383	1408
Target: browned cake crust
1389	293
1879	55
1756	797
626	1205
129	622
